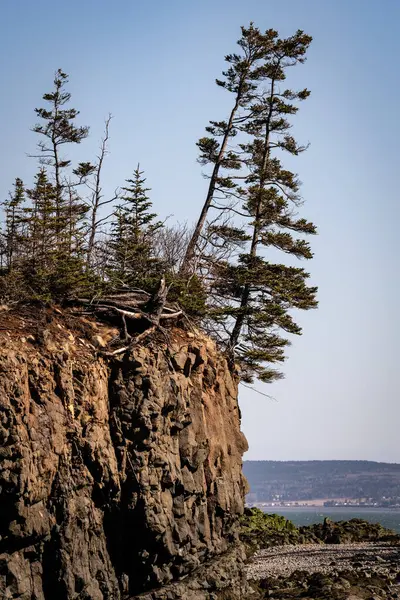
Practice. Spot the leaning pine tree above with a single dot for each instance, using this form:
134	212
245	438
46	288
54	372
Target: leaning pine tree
256	296
240	79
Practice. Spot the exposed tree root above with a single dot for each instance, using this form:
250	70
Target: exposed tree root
139	313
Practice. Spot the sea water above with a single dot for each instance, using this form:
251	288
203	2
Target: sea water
389	518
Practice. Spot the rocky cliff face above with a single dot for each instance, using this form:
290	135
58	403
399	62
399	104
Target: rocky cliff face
117	477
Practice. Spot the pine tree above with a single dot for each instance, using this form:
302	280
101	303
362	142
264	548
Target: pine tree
58	130
257	296
12	238
71	276
240	80
67	219
133	261
41	252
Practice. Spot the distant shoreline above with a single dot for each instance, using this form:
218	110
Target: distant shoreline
331	509
363	485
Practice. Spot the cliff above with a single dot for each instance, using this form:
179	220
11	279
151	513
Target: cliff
118	477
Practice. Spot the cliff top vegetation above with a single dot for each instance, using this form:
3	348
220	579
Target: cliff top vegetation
64	240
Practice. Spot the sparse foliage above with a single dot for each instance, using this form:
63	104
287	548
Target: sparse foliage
239	80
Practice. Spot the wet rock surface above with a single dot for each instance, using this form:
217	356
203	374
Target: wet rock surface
117	479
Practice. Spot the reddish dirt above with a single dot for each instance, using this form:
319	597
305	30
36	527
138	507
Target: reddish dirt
34	325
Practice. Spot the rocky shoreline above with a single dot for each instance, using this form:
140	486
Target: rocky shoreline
330	558
353	560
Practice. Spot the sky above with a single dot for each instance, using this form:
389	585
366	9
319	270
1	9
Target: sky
152	64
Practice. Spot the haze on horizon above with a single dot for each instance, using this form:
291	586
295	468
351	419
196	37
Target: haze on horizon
153	66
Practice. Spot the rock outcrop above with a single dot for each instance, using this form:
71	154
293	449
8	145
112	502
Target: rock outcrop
260	530
118	477
345	560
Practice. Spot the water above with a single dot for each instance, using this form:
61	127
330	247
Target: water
389	518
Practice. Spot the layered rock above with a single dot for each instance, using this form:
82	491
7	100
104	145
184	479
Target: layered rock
118	477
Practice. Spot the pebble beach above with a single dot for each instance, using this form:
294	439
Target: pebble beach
312	558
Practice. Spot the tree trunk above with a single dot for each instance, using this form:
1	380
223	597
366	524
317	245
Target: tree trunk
191	249
237	328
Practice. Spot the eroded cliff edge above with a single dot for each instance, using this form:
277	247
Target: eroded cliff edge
117	477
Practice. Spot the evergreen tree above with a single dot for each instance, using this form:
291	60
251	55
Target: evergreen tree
59	129
12	237
257	295
53	259
240	79
67	218
71	276
50	248
118	248
133	260
41	244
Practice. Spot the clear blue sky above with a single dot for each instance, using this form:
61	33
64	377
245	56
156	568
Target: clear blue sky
152	64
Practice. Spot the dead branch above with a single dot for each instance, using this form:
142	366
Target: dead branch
136	340
133	305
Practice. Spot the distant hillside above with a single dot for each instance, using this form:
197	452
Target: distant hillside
272	481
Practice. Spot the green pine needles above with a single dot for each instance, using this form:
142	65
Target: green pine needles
62	236
133	262
251	297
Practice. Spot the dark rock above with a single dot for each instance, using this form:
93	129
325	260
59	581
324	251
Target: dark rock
119	479
355	530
